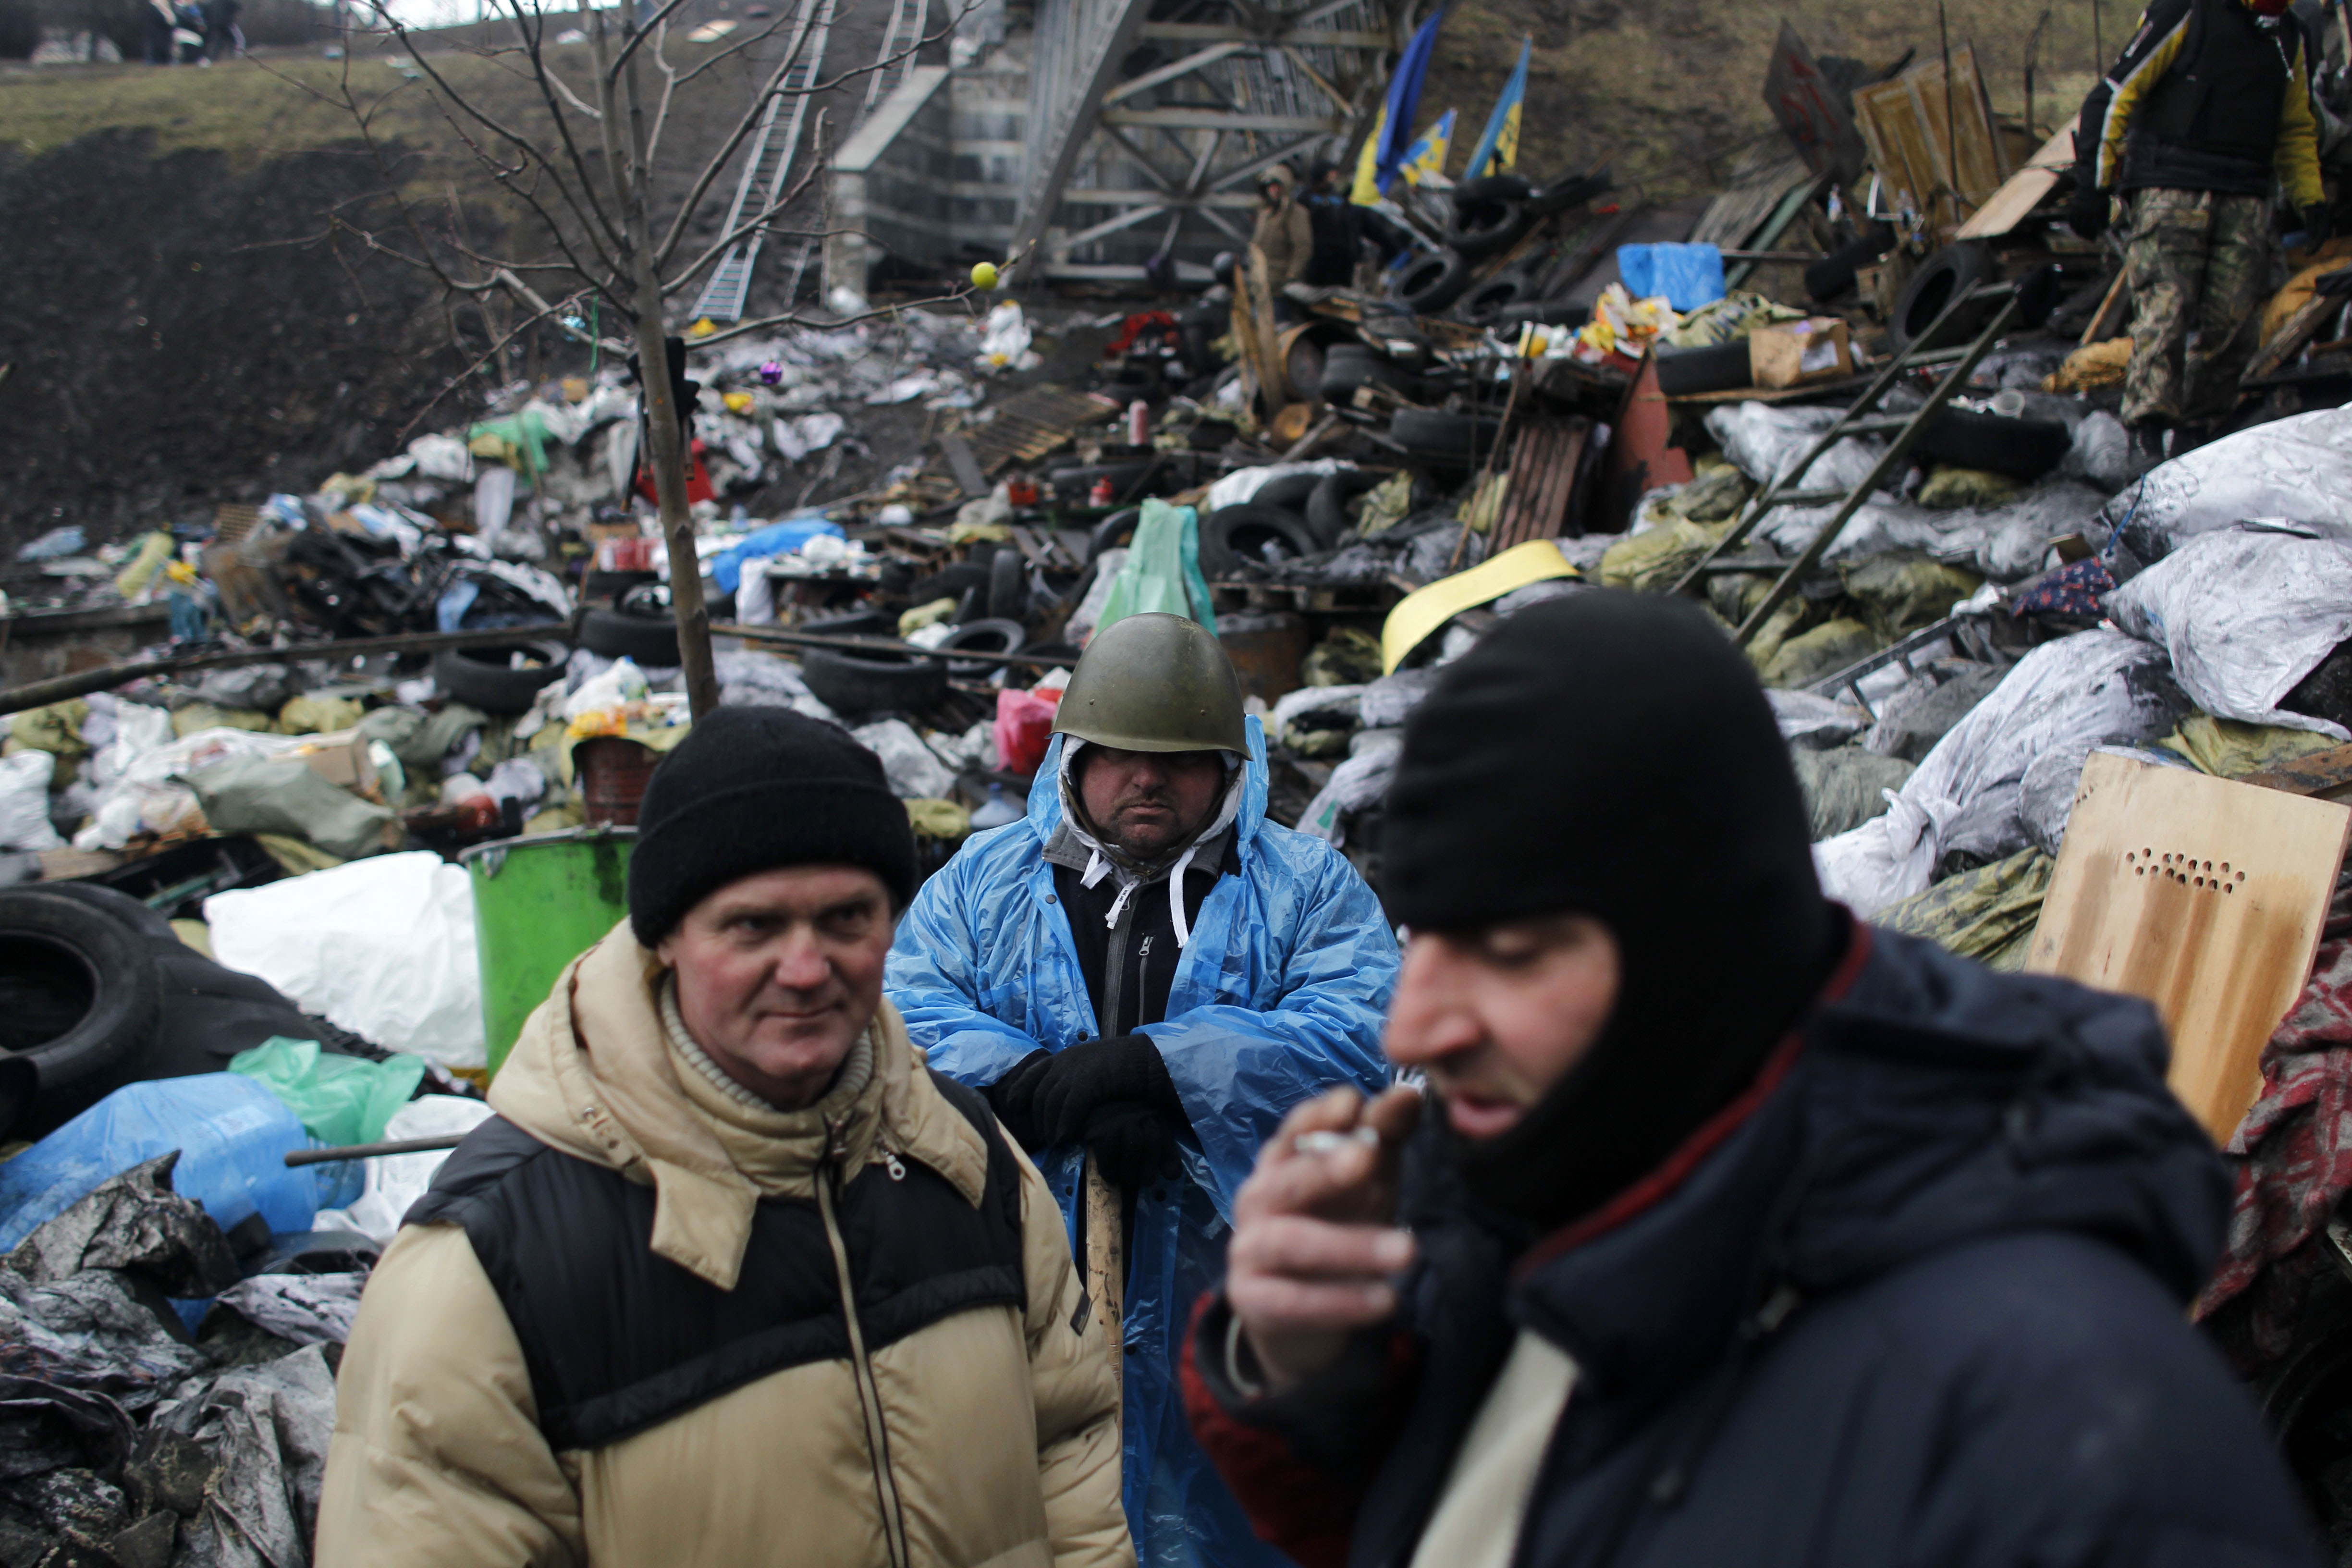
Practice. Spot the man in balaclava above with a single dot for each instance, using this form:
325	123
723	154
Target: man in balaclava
1147	970
1732	1232
2209	107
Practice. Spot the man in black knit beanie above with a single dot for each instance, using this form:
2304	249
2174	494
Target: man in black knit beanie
1732	1231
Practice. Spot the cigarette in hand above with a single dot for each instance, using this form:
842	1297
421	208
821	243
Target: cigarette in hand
1327	1142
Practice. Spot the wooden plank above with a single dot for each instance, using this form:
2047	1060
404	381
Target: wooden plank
2023	191
2107	320
1904	122
1106	1262
2321	773
2203	896
1811	111
2293	333
963	464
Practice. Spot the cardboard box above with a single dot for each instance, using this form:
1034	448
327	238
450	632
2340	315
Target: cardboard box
1795	353
342	759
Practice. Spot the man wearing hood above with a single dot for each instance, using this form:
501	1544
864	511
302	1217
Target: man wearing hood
731	1278
1148	969
1284	234
1734	1232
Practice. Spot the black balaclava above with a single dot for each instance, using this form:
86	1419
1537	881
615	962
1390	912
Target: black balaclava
1611	755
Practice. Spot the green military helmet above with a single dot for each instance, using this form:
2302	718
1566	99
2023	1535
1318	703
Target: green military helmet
1155	683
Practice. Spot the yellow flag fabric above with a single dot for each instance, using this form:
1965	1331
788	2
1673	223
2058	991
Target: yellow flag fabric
1427	156
1367	190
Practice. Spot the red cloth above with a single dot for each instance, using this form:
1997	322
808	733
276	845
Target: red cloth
1158	323
697	479
2292	1155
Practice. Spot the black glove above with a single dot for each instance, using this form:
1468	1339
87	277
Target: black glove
2318	224
2086	215
1099	1072
1134	1144
1014	1099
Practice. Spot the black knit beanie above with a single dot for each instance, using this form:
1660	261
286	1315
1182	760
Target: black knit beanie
1611	755
752	789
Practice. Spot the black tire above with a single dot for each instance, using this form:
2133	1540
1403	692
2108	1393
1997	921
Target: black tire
1572	191
948	583
1716	367
1481	229
2021	448
1327	508
1341	377
1237	533
1288	491
1493	188
606	588
855	624
482	678
856	684
1544	313
1950	272
652	644
984	636
1427	286
78	990
1008	587
1483	306
1832	275
1113	532
1456	439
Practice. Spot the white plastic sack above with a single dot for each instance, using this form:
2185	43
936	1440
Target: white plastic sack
145	795
443	458
396	1181
1764	443
2298	468
384	947
915	772
1004	339
2245	613
24	802
1240	485
1355	784
1968	793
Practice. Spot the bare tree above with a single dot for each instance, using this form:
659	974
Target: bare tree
581	166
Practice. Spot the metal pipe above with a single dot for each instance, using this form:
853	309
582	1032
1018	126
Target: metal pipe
300	1157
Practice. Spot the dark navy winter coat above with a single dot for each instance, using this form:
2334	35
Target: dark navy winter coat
1917	1300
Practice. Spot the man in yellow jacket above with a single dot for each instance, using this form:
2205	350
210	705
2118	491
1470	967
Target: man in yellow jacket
2209	107
733	1278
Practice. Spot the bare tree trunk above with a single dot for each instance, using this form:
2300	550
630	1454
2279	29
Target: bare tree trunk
669	453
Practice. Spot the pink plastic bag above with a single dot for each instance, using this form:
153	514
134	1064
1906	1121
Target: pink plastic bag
1024	724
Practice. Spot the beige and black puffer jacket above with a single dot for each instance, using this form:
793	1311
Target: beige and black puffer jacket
639	1323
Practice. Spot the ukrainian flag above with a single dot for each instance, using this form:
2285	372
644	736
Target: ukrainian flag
1500	144
1427	156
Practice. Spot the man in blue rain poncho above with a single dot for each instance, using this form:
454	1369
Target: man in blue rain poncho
1147	969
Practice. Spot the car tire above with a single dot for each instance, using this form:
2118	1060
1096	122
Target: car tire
1231	535
1951	271
856	684
1288	491
1427	286
1833	274
948	583
2021	448
1493	188
998	635
1113	532
482	677
1483	306
1343	375
1327	508
82	995
853	623
1458	440
1575	191
1711	367
1482	228
648	642
606	588
1008	585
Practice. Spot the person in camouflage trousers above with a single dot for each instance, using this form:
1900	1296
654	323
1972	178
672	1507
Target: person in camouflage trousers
2199	263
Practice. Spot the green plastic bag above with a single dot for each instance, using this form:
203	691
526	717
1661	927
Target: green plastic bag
1163	570
338	1099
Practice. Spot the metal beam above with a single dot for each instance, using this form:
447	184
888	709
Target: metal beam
1218	120
1100	32
1127	219
1210	33
1185	66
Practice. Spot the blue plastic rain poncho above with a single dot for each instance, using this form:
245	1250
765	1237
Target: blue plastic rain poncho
1278	996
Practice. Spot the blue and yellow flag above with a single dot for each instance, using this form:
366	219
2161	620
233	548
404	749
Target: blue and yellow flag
1404	96
1366	189
1499	149
1427	156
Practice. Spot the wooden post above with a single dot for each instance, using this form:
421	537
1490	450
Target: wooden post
1102	1229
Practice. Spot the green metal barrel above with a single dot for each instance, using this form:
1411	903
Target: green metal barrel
540	903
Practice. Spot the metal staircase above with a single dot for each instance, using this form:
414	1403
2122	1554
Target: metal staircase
907	18
767	167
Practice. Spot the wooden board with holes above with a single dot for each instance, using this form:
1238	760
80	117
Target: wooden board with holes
2203	896
1912	125
2023	191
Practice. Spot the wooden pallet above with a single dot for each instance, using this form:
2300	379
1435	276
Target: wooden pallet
1546	464
232	521
1032	423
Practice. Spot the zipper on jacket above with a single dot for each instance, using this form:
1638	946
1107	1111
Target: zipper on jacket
869	1395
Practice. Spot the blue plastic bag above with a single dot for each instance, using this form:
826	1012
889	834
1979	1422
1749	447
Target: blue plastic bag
776	539
233	1136
1689	276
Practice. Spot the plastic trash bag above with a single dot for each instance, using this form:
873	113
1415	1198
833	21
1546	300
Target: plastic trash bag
340	1100
308	1309
1024	728
395	1182
89	1332
1163	570
2298	468
784	538
232	1133
134	1222
1688	276
1355	784
1765	442
24	802
383	947
260	794
1968	793
1243	484
2246	613
914	770
268	1426
1988	914
147	794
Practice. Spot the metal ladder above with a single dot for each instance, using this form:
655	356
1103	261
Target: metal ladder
766	166
1859	420
905	31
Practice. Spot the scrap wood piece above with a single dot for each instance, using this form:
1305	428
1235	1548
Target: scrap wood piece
1033	422
2293	333
2203	896
2323	774
2107	320
963	463
1765	175
232	521
1545	464
1930	135
2023	191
